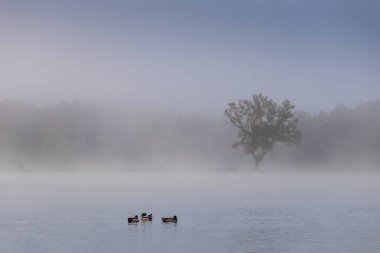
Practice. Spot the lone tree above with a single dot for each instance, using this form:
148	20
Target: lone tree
262	123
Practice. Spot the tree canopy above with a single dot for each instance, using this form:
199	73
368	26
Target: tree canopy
261	123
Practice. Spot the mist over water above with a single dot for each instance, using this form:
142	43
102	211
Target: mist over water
217	212
113	108
90	136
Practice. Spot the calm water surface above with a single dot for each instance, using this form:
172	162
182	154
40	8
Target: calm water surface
226	212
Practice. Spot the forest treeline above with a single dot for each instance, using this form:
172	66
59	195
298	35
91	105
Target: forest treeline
88	135
342	138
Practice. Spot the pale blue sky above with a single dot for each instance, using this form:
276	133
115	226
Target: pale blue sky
190	55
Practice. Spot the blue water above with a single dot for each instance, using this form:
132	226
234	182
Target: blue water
227	212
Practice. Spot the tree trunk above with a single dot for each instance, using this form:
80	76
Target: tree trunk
258	158
257	162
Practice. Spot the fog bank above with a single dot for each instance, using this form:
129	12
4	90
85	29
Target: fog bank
76	136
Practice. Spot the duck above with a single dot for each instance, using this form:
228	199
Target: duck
133	219
170	219
146	217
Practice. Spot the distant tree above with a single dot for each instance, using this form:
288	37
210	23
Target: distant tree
262	123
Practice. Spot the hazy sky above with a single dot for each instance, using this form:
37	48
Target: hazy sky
190	55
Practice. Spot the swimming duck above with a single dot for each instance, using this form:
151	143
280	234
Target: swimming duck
133	219
145	217
170	219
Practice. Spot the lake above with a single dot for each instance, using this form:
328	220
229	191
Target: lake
217	212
